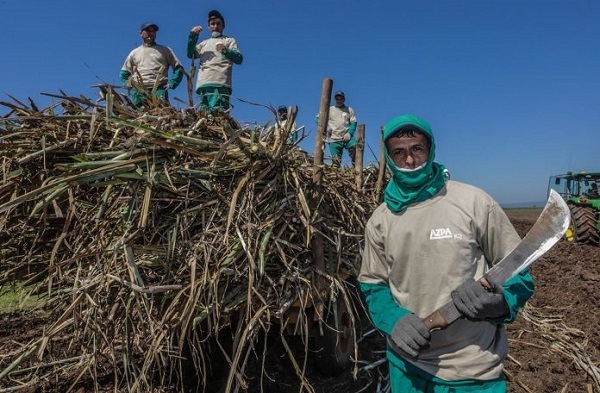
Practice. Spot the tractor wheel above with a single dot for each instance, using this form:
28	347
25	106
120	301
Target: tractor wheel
335	346
583	221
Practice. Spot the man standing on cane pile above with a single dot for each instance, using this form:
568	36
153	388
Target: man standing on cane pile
146	68
277	130
340	129
426	244
216	55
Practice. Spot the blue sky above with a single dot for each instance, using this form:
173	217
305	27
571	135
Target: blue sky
511	88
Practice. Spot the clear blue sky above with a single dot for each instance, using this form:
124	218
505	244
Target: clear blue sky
511	88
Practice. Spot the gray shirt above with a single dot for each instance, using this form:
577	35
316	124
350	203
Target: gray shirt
428	250
215	68
339	122
152	62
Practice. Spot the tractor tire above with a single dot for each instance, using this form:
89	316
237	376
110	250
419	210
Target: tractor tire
334	348
584	225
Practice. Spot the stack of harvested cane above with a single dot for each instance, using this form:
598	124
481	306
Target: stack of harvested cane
150	232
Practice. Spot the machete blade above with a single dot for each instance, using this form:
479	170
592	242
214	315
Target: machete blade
550	226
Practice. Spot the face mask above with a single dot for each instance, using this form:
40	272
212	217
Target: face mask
409	170
215	34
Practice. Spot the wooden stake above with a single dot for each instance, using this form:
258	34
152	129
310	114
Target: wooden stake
317	241
358	157
381	175
321	129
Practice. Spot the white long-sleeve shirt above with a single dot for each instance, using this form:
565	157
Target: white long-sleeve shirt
340	119
428	250
152	62
215	68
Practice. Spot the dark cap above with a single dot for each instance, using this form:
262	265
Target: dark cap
148	25
216	14
339	93
282	108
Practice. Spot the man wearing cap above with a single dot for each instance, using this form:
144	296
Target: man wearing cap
281	125
146	68
216	55
340	129
427	244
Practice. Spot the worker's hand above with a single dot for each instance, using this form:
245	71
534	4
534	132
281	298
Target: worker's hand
347	137
476	302
196	29
221	47
410	334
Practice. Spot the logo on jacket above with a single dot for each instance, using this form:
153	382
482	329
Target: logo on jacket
443	233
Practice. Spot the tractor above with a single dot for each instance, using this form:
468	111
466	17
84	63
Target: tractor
580	191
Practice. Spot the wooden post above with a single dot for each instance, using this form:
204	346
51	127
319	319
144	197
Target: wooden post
358	156
321	129
190	83
382	164
316	241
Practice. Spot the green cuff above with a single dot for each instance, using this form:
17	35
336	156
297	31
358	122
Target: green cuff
124	76
233	56
191	45
384	310
176	77
517	290
352	128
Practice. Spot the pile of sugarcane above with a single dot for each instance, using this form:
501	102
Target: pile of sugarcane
149	232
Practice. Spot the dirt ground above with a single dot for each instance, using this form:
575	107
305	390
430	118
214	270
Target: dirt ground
549	353
551	344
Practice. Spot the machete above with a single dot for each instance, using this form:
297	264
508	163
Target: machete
547	230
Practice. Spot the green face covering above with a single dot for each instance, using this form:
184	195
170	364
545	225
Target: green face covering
410	186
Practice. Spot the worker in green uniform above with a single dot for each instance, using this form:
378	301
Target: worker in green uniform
426	244
145	70
216	55
341	127
281	124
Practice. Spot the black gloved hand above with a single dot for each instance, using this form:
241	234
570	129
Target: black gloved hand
410	334
476	302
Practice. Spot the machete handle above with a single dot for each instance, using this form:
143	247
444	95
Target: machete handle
486	284
435	321
447	313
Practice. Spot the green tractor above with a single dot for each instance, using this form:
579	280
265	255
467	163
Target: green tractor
580	191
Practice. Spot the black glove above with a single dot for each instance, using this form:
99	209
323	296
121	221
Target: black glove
410	334
476	302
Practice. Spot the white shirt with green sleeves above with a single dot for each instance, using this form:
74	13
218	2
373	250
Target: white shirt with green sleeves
340	119
413	260
215	67
152	62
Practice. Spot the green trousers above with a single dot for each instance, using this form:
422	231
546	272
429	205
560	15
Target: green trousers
336	149
214	97
406	378
138	98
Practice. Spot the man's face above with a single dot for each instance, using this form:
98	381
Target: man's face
408	152
339	100
215	24
148	35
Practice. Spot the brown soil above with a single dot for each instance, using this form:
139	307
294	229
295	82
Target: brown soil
565	307
550	343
